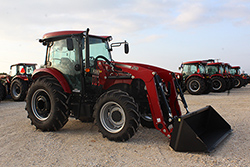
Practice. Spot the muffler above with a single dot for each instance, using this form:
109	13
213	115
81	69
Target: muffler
199	131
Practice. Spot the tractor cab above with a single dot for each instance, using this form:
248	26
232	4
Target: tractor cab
193	67
66	52
22	69
214	68
235	70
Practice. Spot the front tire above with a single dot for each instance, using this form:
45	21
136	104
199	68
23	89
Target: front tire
18	89
116	115
46	104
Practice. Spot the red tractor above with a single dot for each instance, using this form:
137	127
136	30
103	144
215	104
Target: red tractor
246	77
239	81
194	78
2	88
18	82
80	79
227	68
220	80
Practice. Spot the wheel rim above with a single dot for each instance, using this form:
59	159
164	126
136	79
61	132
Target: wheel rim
217	84
41	104
16	90
112	117
194	86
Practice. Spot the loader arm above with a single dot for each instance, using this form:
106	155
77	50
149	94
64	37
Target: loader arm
162	112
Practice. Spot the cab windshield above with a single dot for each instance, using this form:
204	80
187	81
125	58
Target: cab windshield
189	69
214	69
233	71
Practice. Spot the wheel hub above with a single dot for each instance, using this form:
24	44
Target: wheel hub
41	105
194	86
16	90
112	117
217	85
116	116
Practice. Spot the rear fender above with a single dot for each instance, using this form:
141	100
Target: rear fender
22	77
195	75
217	75
55	73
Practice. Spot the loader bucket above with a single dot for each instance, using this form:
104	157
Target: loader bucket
199	131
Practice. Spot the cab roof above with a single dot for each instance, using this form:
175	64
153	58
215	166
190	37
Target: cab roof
235	67
195	62
58	34
214	64
28	64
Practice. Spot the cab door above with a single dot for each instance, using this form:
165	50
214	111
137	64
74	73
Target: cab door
65	61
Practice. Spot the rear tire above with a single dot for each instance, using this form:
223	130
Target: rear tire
116	115
18	90
238	82
2	92
46	105
196	85
219	84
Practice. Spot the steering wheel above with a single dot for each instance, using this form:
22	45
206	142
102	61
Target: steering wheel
109	63
100	56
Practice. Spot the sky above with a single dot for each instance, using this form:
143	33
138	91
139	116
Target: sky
163	33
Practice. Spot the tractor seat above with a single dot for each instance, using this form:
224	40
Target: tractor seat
65	61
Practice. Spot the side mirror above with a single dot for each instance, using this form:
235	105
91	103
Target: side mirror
70	45
126	47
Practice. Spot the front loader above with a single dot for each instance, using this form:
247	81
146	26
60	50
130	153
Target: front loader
80	79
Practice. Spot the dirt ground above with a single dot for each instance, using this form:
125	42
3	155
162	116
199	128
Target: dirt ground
80	144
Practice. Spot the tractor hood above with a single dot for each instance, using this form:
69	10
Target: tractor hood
146	72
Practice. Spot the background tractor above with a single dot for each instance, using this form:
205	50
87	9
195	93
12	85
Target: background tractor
80	79
238	80
227	68
220	80
246	77
18	81
194	78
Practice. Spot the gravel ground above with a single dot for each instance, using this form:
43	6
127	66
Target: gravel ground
80	144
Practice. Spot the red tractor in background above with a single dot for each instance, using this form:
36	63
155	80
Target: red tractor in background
227	68
2	88
194	78
220	80
246	77
239	81
80	79
18	81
